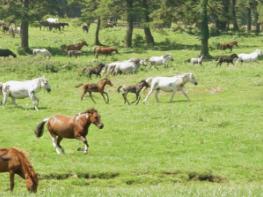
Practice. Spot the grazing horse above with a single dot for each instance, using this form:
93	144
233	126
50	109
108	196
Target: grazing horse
77	46
61	126
136	89
227	59
93	87
15	162
6	53
229	45
170	84
94	70
23	89
104	50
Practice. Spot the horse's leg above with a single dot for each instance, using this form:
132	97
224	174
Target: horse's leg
138	98
34	100
149	93
124	98
184	93
157	96
90	94
108	100
5	96
59	139
172	97
14	101
55	144
83	94
85	142
12	180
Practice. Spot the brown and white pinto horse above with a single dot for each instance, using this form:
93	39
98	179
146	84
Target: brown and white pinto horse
104	50
77	46
15	162
61	126
93	87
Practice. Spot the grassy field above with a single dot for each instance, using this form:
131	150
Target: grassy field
210	146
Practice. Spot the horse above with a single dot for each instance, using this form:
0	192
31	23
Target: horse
128	66
85	27
170	84
93	87
229	45
43	52
197	60
52	20
227	59
249	57
61	126
77	46
94	70
7	53
160	60
104	50
23	89
136	89
15	161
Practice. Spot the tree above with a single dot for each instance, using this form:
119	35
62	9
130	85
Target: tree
234	16
129	31
146	27
204	29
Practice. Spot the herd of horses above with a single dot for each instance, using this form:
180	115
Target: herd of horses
77	126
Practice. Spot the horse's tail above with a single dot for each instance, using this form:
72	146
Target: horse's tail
1	86
40	128
28	170
119	89
79	85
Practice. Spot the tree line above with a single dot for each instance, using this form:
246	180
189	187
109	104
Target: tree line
222	15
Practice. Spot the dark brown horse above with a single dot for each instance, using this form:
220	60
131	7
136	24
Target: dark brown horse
75	127
104	50
136	89
93	87
77	46
15	162
229	45
227	59
94	70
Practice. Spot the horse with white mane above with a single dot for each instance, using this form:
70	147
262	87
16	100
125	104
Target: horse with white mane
23	89
170	84
160	60
250	57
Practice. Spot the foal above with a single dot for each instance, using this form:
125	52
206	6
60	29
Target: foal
94	70
227	59
136	89
15	162
93	87
61	126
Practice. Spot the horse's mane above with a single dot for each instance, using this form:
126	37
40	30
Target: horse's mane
90	110
26	165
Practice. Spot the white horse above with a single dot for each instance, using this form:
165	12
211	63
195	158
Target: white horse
160	60
43	52
128	66
250	57
170	84
52	20
23	89
196	60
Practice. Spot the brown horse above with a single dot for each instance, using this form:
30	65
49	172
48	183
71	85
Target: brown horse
93	87
15	162
228	45
77	46
104	50
61	126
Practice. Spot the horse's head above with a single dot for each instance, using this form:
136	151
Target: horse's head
107	82
101	65
259	52
32	182
168	57
94	117
44	84
144	84
191	78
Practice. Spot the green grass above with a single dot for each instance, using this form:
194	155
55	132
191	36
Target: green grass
150	149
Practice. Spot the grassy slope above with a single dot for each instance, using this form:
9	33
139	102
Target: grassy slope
146	149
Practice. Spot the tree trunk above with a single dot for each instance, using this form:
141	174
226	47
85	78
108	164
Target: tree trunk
249	19
97	40
24	27
256	16
128	38
234	17
204	29
147	31
225	13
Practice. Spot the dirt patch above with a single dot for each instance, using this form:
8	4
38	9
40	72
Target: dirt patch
215	90
194	176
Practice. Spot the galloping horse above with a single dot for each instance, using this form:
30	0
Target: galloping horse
23	89
61	126
15	162
93	87
170	84
104	50
77	46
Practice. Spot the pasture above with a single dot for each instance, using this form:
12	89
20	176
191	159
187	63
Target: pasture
210	146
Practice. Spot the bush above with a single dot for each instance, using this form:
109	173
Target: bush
138	40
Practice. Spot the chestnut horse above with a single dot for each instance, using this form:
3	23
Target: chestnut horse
104	50
15	162
93	87
228	45
61	126
77	46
